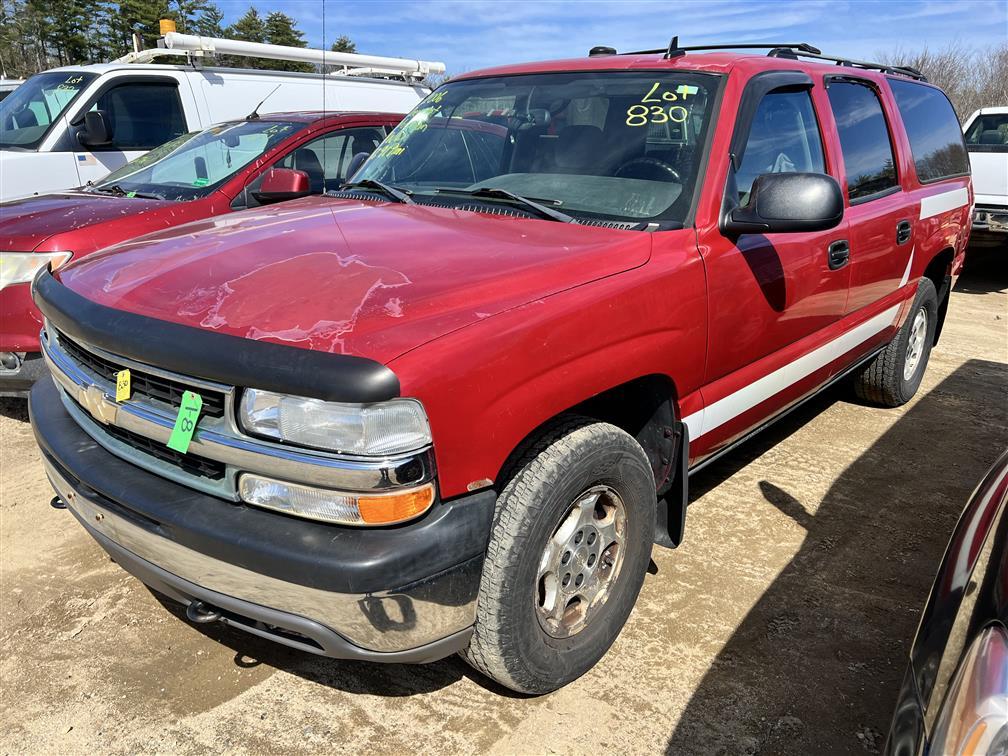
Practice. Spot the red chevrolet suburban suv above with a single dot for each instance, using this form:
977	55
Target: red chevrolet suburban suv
229	166
451	406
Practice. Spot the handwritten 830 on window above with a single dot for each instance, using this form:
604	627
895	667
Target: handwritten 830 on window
644	112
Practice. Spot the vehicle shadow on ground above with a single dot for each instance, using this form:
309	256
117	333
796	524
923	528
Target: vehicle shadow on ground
816	664
391	680
16	408
985	271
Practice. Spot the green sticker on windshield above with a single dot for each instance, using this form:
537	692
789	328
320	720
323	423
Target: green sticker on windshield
185	423
201	182
131	194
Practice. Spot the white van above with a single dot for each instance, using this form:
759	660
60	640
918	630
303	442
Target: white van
986	133
65	127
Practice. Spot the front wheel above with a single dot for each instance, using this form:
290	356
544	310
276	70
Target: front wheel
567	556
894	376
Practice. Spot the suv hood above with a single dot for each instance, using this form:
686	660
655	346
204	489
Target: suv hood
27	223
373	280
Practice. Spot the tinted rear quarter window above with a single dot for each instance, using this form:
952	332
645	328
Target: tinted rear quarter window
936	141
864	139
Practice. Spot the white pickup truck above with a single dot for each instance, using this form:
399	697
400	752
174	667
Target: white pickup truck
986	133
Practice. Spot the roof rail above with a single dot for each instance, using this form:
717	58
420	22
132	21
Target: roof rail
674	50
193	47
912	73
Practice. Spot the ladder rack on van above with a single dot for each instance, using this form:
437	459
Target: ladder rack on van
193	47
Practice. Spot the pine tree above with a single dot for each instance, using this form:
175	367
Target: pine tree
250	27
281	29
343	43
210	22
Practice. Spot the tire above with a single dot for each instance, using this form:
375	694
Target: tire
570	462
887	380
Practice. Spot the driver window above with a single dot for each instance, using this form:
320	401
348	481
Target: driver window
784	138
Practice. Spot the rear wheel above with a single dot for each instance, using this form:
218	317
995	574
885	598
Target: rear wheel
894	376
567	556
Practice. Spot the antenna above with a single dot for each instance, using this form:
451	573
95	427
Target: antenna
254	115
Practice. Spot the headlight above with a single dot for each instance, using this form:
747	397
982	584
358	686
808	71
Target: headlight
21	267
381	429
974	717
325	505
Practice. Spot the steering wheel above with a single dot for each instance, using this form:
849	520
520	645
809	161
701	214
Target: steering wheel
648	168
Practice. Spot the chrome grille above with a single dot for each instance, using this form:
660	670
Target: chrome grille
139	428
188	463
141	384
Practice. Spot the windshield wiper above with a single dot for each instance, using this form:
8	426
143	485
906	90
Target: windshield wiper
389	191
118	191
516	199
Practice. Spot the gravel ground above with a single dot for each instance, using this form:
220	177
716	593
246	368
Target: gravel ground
780	626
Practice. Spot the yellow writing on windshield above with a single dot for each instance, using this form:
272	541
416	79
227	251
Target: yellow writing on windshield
643	113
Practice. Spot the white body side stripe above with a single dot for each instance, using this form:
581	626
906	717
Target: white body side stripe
940	203
747	397
906	273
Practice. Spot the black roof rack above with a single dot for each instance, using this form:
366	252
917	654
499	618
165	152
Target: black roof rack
674	50
793	50
912	73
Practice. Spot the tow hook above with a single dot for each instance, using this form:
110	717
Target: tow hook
57	503
201	613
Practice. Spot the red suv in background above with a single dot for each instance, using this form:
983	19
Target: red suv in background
201	174
450	407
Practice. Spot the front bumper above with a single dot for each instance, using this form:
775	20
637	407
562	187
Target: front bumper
398	594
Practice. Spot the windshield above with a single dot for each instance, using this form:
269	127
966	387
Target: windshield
988	131
610	145
194	164
29	111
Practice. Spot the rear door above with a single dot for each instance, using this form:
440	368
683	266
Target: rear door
878	210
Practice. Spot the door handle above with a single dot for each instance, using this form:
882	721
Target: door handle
903	231
839	254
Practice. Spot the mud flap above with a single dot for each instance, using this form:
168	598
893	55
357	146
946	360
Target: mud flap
671	520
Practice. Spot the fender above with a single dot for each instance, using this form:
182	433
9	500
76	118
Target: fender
488	385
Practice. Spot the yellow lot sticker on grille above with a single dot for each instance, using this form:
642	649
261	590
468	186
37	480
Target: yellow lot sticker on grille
123	385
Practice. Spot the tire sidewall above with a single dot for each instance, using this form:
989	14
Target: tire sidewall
552	662
926	299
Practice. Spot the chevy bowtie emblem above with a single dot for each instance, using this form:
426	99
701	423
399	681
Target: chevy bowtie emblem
101	408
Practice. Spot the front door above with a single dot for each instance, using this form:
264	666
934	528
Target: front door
141	115
766	293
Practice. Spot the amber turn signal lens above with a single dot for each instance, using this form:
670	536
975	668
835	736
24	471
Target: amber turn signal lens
395	507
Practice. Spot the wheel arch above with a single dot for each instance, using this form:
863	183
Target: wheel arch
939	271
647	408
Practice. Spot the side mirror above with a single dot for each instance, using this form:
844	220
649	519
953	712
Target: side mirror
282	184
788	202
355	163
96	131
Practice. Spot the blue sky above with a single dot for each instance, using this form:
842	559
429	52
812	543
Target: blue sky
470	34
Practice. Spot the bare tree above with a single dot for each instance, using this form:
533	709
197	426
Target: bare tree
971	78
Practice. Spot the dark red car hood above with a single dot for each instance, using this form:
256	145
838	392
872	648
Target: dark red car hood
28	222
360	278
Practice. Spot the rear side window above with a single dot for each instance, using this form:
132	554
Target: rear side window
864	139
988	133
142	116
784	138
936	141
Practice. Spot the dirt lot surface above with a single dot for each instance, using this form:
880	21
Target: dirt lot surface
780	626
